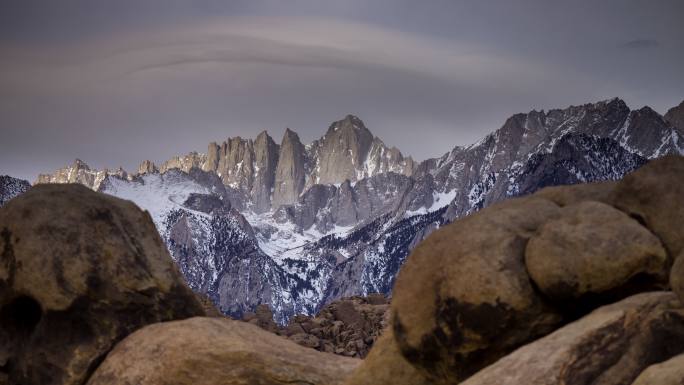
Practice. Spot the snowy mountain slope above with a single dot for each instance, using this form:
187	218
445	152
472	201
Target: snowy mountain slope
213	244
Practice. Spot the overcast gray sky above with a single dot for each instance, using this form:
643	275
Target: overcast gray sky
116	82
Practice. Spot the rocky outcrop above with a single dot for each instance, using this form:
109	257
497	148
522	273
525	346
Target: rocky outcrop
208	351
11	188
477	289
79	172
348	327
184	163
79	271
290	174
147	167
612	345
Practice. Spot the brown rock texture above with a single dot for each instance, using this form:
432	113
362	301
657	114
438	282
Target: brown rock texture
677	277
386	365
592	248
79	271
670	372
212	351
610	346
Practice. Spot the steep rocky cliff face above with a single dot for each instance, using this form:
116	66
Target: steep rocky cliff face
290	174
297	226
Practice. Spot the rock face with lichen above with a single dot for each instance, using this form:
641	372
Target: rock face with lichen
79	271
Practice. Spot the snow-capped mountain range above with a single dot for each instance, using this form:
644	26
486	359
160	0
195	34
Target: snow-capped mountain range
297	226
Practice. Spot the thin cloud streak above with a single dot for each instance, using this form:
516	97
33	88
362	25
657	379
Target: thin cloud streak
164	89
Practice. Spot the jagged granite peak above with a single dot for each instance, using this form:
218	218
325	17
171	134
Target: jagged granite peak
290	174
349	151
647	133
11	187
80	172
675	116
185	162
233	162
266	155
147	167
246	165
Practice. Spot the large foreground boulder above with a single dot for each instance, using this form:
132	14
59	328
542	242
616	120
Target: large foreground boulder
209	351
612	345
464	298
79	271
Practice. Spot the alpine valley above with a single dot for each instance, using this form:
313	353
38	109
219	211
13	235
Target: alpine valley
297	226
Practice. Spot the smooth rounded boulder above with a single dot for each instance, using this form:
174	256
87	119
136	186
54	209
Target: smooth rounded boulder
208	351
593	248
79	271
464	298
